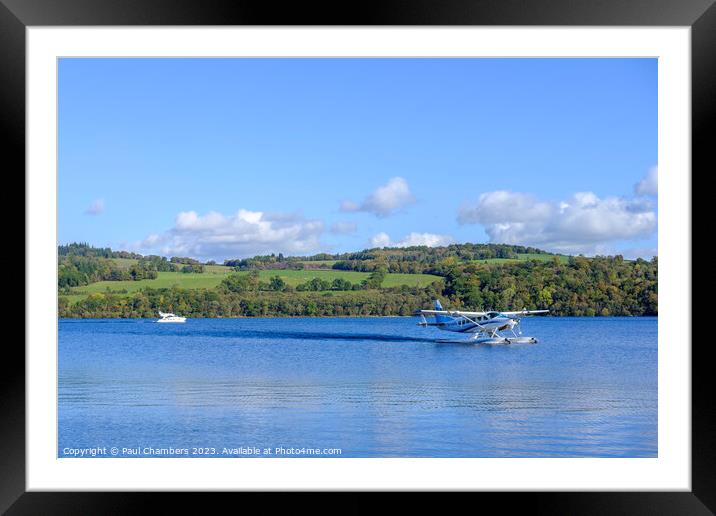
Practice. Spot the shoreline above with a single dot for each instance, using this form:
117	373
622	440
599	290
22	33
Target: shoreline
344	317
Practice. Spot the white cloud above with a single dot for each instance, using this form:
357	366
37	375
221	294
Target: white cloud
380	240
385	200
151	241
427	239
349	206
96	208
413	239
633	253
582	224
343	228
650	184
246	233
501	206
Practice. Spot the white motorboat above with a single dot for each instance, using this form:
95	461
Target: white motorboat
170	318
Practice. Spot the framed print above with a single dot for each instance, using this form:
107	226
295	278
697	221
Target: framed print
413	250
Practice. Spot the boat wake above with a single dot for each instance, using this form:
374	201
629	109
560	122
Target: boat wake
309	335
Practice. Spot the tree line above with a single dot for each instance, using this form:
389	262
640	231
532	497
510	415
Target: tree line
220	303
407	260
604	285
79	270
85	249
242	283
81	264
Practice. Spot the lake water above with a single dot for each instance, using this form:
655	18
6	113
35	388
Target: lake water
369	387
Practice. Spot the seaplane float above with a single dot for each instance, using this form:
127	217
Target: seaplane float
482	327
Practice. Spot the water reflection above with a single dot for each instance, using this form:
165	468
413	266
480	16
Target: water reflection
373	387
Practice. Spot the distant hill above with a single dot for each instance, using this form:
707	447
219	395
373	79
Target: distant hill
400	259
100	282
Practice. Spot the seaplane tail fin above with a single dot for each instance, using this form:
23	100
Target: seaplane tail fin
439	317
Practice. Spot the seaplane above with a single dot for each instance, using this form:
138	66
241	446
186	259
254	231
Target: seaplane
483	327
170	318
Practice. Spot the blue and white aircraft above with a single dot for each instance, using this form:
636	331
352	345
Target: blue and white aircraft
484	327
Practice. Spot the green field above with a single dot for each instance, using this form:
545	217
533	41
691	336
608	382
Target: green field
322	263
217	269
124	263
214	274
526	256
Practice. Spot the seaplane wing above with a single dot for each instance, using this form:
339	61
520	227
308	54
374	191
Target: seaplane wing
451	313
524	312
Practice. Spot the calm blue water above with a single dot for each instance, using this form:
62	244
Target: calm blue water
371	387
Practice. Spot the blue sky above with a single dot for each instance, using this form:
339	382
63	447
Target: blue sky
221	158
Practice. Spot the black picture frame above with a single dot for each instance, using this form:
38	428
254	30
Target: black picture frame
16	15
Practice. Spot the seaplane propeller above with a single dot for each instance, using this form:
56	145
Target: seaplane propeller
518	323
